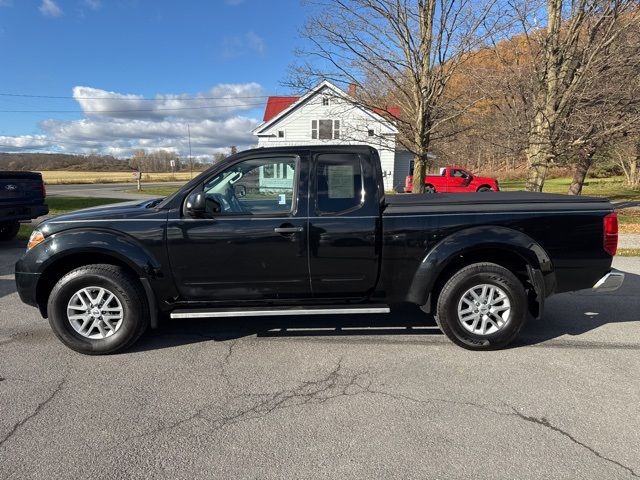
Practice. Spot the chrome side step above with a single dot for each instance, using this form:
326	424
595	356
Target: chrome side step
264	312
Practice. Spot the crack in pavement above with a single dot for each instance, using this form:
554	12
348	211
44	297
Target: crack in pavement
226	361
545	423
513	413
336	383
35	413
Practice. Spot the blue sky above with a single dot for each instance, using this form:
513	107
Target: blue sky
100	50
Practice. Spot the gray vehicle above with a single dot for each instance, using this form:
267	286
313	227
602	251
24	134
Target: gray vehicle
22	197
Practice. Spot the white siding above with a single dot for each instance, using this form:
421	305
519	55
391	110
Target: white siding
355	122
401	167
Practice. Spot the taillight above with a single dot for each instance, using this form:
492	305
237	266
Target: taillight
610	233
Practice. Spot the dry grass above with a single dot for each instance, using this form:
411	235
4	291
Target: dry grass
629	228
628	252
60	177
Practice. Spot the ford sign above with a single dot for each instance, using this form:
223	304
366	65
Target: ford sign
11	187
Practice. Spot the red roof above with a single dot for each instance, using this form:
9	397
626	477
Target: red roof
275	105
393	111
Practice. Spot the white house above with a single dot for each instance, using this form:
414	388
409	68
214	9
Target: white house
327	114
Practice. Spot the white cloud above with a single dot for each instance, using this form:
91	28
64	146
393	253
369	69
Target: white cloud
240	45
93	4
220	101
24	142
212	129
50	8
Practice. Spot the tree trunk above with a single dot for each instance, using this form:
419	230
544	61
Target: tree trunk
419	172
633	179
539	153
582	168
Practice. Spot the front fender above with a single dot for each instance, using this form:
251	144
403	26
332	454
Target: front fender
476	239
88	241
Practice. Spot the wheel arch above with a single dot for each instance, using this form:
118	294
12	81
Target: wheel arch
503	246
93	247
484	185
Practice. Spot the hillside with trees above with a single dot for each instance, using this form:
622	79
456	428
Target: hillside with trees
156	161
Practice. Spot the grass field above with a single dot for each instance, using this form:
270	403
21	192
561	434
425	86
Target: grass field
59	177
612	188
60	205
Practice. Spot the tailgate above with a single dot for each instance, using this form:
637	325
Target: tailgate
21	188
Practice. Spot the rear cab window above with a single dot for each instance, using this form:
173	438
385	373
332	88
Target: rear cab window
339	183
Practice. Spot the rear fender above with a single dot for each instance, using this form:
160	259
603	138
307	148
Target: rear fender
474	240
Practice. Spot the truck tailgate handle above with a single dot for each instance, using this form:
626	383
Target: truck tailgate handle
288	229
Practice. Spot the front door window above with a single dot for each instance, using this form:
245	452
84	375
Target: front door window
252	187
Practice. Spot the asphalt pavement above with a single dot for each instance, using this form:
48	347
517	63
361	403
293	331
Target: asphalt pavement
327	397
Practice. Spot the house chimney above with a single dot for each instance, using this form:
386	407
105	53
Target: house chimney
352	90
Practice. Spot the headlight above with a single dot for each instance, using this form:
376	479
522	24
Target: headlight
36	238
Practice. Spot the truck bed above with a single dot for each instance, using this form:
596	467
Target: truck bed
490	202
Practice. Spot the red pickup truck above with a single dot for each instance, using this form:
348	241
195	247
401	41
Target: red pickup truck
454	179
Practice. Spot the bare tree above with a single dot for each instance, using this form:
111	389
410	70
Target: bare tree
627	154
568	53
404	52
607	108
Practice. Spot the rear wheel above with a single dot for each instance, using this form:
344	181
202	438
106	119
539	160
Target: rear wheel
482	307
429	189
98	309
9	230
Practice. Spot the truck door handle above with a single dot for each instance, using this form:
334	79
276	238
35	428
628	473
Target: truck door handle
288	229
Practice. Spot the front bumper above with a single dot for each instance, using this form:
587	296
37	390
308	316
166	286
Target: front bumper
26	284
610	282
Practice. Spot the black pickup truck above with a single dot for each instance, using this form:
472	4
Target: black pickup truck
22	196
307	231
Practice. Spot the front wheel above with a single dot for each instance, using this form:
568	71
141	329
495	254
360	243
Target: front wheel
98	309
9	230
484	189
429	189
482	307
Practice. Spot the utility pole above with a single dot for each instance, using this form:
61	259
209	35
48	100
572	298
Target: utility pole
190	160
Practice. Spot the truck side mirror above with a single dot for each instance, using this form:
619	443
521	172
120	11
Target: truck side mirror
196	205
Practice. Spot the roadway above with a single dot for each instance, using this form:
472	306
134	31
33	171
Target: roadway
106	190
327	397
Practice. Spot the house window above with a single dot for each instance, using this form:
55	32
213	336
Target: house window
267	171
325	129
325	101
280	133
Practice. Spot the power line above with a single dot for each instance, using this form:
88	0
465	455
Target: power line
59	97
151	110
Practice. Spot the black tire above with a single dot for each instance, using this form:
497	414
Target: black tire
9	230
484	189
127	290
466	278
429	189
